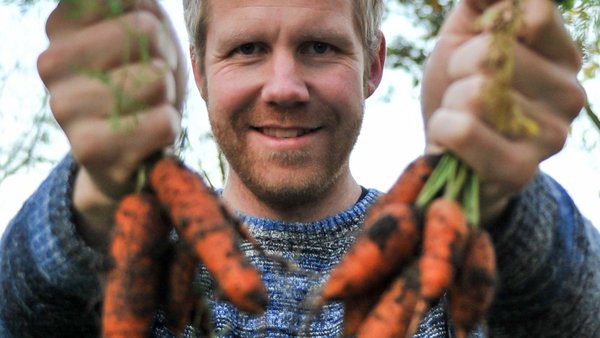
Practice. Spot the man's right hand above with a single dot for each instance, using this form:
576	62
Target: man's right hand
116	78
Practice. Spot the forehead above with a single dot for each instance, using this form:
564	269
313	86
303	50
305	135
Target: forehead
332	13
311	4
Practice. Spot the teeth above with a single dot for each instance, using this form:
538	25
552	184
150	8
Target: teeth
284	133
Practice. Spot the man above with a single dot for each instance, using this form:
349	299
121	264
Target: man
285	84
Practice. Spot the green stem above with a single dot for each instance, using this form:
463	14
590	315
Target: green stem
453	179
455	184
437	180
471	200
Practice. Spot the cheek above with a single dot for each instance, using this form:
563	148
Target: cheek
344	85
230	91
346	96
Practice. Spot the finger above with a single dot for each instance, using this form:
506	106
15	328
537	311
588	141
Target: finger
480	5
135	37
71	15
540	27
123	91
112	153
511	163
534	76
462	18
544	31
466	96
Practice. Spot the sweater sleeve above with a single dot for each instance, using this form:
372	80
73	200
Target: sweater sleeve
549	265
48	276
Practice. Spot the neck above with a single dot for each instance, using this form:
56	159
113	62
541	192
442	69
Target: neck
342	194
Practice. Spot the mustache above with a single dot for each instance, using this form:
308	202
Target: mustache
289	114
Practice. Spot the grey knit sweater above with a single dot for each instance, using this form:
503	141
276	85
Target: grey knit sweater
549	263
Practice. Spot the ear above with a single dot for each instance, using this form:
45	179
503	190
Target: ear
376	67
199	76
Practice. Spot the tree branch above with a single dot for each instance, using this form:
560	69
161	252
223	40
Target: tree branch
595	120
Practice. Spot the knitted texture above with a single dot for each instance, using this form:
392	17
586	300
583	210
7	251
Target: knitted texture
549	264
548	260
48	283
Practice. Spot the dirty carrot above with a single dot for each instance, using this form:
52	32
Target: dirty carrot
356	309
409	183
473	291
180	297
444	237
378	252
202	221
393	313
131	299
407	187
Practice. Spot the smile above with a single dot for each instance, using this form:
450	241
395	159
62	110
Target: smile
286	132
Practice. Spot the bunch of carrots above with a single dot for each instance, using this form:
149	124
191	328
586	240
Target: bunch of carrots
413	249
421	240
150	271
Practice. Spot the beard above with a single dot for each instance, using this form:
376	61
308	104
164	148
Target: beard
311	173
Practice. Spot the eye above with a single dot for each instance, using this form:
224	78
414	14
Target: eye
248	49
320	47
317	47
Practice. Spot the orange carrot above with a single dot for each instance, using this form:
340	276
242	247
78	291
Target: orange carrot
131	298
473	291
356	309
393	313
407	187
444	236
181	299
378	252
203	222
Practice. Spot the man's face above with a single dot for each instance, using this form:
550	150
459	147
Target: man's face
284	84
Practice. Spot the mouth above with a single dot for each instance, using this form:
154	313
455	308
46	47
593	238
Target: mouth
285	132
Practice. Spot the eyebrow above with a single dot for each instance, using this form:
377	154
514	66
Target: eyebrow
325	34
233	35
336	36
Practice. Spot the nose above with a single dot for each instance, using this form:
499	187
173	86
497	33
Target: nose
284	84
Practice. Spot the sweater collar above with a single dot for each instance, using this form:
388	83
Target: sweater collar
346	218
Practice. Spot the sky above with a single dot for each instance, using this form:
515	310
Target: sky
391	137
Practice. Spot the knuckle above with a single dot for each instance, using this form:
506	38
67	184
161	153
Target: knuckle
154	82
47	63
540	20
163	81
169	126
157	67
576	57
465	94
469	58
54	21
60	105
463	135
146	23
452	128
559	133
575	99
85	147
168	86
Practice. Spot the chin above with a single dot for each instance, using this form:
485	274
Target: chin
292	189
